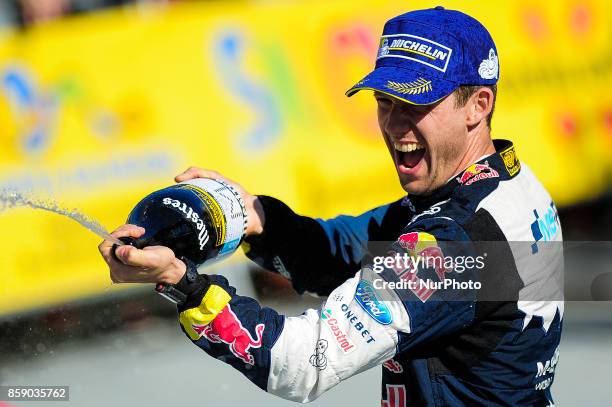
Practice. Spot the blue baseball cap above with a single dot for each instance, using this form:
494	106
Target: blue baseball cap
424	55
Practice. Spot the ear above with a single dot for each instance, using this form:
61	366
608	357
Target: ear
479	106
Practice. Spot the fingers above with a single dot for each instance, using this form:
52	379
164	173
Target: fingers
149	265
121	231
196	172
132	275
128	231
153	257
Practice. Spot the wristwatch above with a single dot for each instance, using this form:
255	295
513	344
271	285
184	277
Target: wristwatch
178	293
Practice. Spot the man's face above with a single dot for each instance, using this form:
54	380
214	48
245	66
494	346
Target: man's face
427	143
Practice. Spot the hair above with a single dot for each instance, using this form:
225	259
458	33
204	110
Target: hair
463	93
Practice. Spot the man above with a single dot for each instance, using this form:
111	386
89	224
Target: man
434	85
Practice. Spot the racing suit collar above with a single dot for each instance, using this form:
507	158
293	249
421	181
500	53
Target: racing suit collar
503	162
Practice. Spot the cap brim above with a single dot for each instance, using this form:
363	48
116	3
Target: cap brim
404	84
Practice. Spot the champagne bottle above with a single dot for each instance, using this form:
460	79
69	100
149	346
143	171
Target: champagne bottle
202	220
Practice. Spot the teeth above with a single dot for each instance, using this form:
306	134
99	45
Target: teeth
407	147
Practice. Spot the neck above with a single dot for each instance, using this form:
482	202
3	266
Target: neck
480	145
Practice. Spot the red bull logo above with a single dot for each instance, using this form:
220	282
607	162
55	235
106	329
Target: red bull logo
415	242
476	172
408	241
227	328
393	366
435	258
427	253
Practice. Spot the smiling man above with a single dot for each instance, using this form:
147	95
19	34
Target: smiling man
435	85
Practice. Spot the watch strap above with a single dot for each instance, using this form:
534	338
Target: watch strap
190	288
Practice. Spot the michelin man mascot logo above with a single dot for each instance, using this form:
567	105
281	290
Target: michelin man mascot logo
489	68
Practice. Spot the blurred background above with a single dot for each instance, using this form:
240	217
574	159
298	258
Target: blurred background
104	101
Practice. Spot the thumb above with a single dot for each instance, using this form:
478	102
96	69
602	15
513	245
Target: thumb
131	256
195	172
184	176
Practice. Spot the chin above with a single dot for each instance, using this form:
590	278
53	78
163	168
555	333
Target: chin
414	187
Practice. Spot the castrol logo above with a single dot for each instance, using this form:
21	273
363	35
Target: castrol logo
192	216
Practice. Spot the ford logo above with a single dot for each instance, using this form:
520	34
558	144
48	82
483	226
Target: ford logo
368	300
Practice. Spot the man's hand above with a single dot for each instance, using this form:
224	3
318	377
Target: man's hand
255	213
153	264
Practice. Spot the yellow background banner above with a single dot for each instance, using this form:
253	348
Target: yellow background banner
99	110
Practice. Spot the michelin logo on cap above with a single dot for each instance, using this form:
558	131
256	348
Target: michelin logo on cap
383	49
415	48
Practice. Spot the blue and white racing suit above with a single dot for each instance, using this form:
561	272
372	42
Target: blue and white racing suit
437	346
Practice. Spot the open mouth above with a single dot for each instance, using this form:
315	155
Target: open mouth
409	155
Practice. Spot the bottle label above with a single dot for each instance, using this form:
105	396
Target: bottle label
192	216
226	210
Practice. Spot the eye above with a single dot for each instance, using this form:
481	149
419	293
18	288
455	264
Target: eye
383	101
416	110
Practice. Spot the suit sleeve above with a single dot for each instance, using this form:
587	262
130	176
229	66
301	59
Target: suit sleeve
318	255
358	327
296	358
